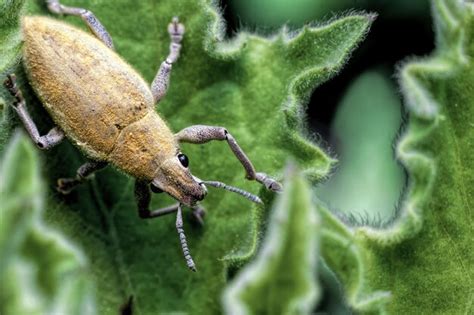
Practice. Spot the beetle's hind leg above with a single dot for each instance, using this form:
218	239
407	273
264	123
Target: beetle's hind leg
65	185
160	83
87	16
201	134
52	138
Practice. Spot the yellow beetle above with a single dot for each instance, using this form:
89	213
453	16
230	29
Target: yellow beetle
105	108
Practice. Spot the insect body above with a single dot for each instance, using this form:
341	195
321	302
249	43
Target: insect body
106	109
102	104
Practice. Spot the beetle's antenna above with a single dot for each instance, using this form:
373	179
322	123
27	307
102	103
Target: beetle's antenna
239	191
182	238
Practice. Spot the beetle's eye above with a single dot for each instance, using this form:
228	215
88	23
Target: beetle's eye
183	159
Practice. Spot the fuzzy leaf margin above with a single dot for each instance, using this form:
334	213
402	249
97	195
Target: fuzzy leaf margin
421	263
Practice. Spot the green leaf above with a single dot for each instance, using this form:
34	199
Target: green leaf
281	279
41	272
253	86
10	39
423	260
348	259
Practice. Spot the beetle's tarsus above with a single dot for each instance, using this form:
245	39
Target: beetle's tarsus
10	81
269	182
160	83
66	185
176	30
11	86
87	16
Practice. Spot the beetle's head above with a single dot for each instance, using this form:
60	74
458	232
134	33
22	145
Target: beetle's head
175	178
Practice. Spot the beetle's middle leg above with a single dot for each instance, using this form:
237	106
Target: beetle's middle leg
52	138
160	83
65	185
87	16
199	134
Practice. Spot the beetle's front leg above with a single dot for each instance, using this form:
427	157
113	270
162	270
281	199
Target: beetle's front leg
65	185
159	86
87	16
143	197
201	134
52	138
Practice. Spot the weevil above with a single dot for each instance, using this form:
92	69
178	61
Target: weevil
104	107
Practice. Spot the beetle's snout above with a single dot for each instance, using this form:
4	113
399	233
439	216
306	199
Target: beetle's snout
180	183
193	197
200	196
202	189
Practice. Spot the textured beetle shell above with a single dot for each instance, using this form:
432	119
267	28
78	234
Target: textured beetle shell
99	101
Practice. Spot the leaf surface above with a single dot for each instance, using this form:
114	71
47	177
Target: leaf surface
10	39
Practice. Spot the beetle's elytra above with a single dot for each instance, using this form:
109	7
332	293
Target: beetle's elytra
97	99
105	108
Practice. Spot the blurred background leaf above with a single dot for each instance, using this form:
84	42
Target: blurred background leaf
41	271
282	279
368	181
